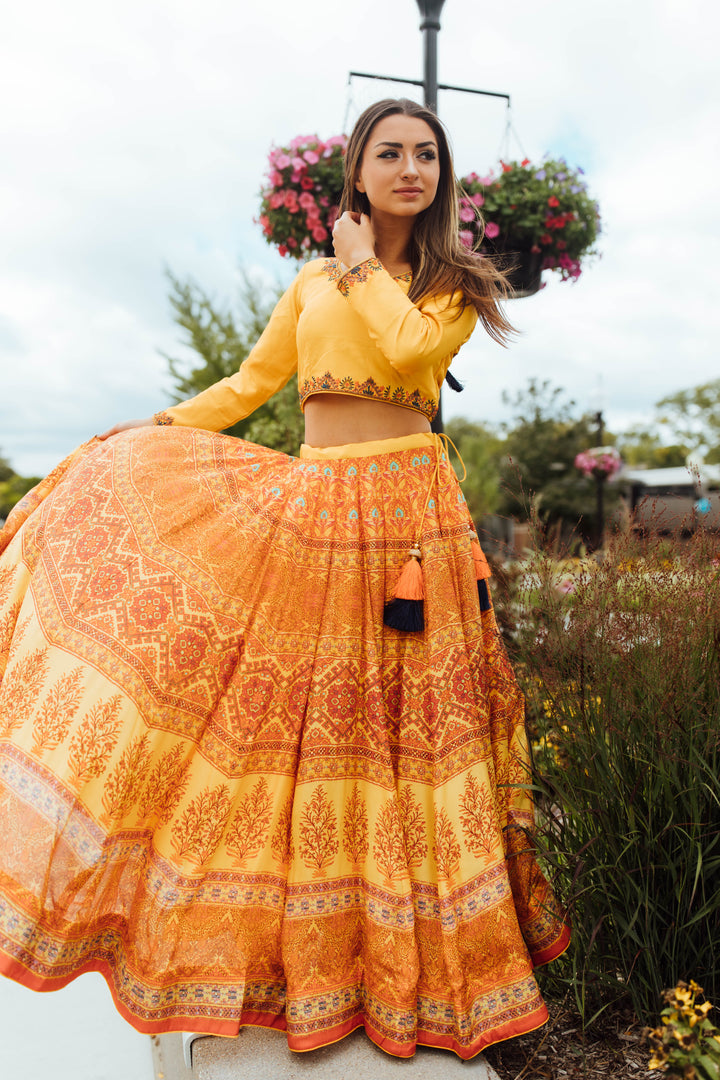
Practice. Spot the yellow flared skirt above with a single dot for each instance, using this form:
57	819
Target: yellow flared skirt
227	785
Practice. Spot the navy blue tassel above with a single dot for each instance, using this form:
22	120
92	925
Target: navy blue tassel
405	615
483	595
453	382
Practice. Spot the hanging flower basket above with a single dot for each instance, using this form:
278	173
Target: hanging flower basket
601	462
537	217
299	203
523	266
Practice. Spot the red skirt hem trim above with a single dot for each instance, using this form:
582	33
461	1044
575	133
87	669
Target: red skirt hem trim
298	1043
558	947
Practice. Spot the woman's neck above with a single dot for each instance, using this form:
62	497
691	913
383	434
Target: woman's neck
392	242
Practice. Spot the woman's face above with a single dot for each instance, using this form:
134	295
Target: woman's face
400	166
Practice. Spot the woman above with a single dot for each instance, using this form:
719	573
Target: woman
261	747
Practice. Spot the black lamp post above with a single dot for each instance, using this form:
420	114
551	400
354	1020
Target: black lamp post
430	24
600	487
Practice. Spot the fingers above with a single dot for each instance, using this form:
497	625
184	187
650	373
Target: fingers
353	238
350	215
147	421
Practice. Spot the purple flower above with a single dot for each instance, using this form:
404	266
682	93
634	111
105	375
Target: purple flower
540	175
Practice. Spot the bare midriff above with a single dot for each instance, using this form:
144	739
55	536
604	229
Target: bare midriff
336	419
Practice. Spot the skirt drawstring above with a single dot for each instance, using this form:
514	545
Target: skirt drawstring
405	610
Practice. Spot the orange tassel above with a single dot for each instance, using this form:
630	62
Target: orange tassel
405	610
410	585
482	568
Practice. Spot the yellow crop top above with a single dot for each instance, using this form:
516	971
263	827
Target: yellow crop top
353	332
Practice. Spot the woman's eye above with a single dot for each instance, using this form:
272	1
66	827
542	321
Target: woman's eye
428	155
388	154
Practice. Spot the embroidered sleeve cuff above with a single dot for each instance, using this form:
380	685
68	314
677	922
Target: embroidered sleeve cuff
357	274
163	418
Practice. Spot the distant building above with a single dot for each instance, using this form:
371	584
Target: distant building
674	501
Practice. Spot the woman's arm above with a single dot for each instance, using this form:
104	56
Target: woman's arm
410	335
270	364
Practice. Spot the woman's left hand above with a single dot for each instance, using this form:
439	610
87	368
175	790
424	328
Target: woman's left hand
148	421
353	238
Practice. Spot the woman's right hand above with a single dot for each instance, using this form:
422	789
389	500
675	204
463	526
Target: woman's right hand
149	421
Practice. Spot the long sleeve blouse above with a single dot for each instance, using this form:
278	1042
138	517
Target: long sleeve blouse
343	332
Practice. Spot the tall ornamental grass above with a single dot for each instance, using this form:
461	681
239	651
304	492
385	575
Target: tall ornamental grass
619	659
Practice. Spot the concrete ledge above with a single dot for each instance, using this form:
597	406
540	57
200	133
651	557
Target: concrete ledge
168	1059
262	1054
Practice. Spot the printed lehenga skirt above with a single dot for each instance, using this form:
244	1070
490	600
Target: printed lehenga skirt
227	785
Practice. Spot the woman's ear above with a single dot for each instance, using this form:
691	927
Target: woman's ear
359	186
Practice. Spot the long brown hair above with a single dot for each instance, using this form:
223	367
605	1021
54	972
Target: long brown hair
441	265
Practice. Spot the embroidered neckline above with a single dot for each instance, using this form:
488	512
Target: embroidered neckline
333	271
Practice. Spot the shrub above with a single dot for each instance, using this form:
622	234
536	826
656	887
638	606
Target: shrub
620	663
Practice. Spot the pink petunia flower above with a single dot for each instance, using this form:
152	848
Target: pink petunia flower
282	161
319	234
466	212
467	237
311	157
492	230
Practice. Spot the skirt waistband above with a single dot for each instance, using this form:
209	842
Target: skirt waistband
371	449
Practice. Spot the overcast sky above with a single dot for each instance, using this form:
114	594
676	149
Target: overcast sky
134	137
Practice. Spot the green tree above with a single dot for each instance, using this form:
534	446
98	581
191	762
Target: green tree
481	450
12	486
643	448
222	339
541	443
693	417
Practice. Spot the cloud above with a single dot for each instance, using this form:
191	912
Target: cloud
138	138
